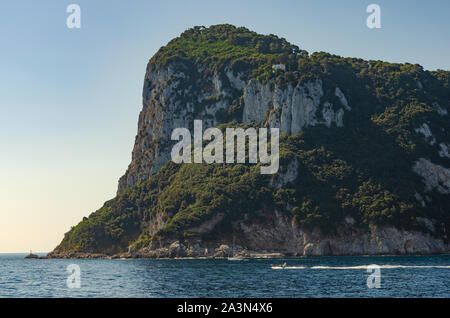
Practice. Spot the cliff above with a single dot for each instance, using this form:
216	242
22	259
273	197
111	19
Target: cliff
363	151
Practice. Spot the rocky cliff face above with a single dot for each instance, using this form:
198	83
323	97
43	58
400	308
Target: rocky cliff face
364	156
283	238
166	107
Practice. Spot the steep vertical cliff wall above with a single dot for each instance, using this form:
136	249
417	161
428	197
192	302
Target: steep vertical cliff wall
363	149
169	102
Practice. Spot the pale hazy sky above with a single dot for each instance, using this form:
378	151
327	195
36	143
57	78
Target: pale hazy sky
70	99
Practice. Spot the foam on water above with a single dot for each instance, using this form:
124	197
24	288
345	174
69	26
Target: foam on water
360	267
380	266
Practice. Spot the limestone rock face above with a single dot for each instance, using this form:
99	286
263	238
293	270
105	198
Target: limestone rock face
339	94
435	176
444	150
292	108
441	111
170	99
426	132
176	249
173	99
349	240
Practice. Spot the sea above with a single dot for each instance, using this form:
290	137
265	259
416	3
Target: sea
345	276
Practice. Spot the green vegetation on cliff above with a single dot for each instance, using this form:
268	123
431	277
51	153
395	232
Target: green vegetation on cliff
362	170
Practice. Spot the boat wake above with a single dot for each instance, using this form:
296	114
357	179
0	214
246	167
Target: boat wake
379	266
361	267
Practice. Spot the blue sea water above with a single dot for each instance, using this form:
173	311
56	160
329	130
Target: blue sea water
401	276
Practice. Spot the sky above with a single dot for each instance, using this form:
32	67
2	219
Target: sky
70	98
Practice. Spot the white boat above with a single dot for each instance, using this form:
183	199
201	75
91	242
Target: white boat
286	267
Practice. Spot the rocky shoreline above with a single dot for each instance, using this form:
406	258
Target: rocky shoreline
298	243
161	256
250	255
